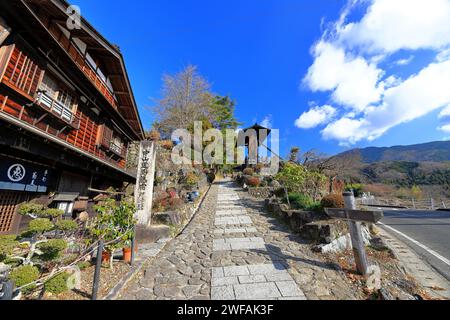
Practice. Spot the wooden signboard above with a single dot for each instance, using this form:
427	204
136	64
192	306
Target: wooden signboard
355	215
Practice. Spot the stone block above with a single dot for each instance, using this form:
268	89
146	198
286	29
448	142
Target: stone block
168	218
152	234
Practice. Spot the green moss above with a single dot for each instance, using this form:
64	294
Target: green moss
24	275
67	225
57	284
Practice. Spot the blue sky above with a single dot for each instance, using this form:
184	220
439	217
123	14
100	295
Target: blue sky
260	52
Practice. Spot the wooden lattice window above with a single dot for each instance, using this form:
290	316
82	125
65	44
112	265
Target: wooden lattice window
9	201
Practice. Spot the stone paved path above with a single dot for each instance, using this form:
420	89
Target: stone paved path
245	281
232	249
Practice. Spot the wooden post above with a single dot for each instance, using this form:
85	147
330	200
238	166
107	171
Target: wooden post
357	237
98	267
133	246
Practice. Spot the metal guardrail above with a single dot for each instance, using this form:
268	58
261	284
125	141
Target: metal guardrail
422	204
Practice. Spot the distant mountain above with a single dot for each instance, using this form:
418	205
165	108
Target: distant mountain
438	151
421	164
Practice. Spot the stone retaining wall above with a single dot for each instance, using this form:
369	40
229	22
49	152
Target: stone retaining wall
312	226
261	193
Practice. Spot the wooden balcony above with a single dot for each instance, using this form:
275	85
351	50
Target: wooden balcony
57	109
120	151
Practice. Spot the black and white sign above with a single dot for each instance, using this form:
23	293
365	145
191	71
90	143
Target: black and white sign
144	185
22	176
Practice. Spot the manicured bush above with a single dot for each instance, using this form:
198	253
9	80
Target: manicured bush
333	201
57	284
31	209
23	276
67	225
253	182
52	249
300	201
40	225
52	213
7	245
248	171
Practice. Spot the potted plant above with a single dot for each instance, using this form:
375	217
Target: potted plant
127	251
115	225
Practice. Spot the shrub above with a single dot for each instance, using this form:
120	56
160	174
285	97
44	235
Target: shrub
154	135
7	245
51	213
259	167
333	201
316	207
52	249
191	179
23	276
67	225
253	182
300	201
357	189
297	178
57	284
166	144
248	171
40	225
84	265
31	209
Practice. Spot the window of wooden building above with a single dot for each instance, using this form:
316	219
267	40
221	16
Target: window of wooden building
55	95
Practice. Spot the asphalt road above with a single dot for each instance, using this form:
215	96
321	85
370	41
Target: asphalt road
426	232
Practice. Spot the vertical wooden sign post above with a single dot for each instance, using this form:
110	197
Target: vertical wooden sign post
357	237
144	185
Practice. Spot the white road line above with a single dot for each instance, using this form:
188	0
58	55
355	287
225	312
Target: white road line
432	252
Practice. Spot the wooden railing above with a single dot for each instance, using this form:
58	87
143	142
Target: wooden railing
57	109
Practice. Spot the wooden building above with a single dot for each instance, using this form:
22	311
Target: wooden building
67	111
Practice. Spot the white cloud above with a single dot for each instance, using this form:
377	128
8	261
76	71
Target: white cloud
389	26
412	99
443	55
404	62
347	59
445	128
315	117
352	79
445	113
345	129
